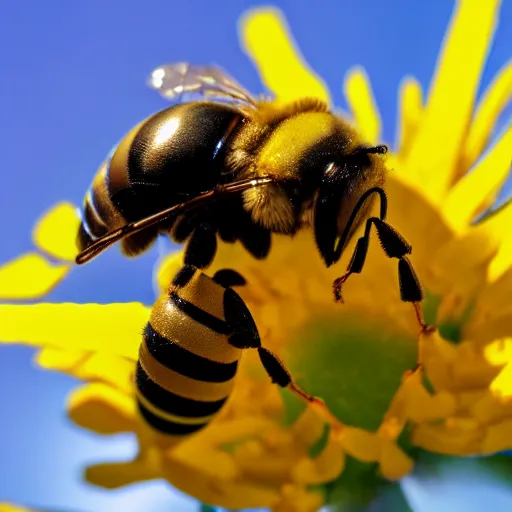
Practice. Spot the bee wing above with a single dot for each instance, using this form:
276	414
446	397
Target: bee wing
182	81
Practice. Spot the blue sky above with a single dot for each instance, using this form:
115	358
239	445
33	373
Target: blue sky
72	83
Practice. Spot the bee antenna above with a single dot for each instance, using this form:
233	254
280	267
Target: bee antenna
380	150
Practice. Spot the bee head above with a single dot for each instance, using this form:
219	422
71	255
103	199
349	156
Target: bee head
342	185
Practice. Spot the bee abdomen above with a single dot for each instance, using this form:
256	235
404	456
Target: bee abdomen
178	391
169	412
99	214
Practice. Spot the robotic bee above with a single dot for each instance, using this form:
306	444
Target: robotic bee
278	169
227	165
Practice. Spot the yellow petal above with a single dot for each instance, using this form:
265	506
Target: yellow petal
297	499
469	256
437	356
478	190
491	306
448	440
492	408
325	467
422	226
451	98
422	406
103	409
266	39
29	276
8	507
167	269
498	438
114	475
55	233
113	370
472	371
361	444
502	262
257	463
502	385
111	328
496	97
232	495
360	98
64	361
394	463
309	428
219	433
499	352
410	112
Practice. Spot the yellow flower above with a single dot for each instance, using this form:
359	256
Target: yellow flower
265	449
8	507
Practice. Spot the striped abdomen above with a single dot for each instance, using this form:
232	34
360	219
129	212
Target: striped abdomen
168	158
186	367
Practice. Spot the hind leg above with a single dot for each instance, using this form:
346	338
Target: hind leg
245	336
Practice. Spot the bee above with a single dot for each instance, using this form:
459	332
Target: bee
190	351
221	163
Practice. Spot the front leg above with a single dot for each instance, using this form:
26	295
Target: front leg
201	247
245	336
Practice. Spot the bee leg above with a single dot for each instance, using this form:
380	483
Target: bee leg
245	336
228	277
201	247
279	374
394	246
138	242
183	276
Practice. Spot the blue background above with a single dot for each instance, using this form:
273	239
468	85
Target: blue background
72	82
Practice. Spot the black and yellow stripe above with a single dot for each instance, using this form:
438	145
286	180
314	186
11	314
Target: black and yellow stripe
101	209
186	366
168	157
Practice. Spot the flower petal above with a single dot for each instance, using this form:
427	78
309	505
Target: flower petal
96	367
360	98
491	318
502	262
449	440
502	384
362	445
297	499
410	113
324	468
421	406
118	474
64	361
207	489
498	438
8	507
112	328
30	276
394	463
468	257
492	408
496	97
499	352
266	39
453	91
478	190
102	409
55	233
166	269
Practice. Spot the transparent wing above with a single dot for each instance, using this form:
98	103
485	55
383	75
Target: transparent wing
182	81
